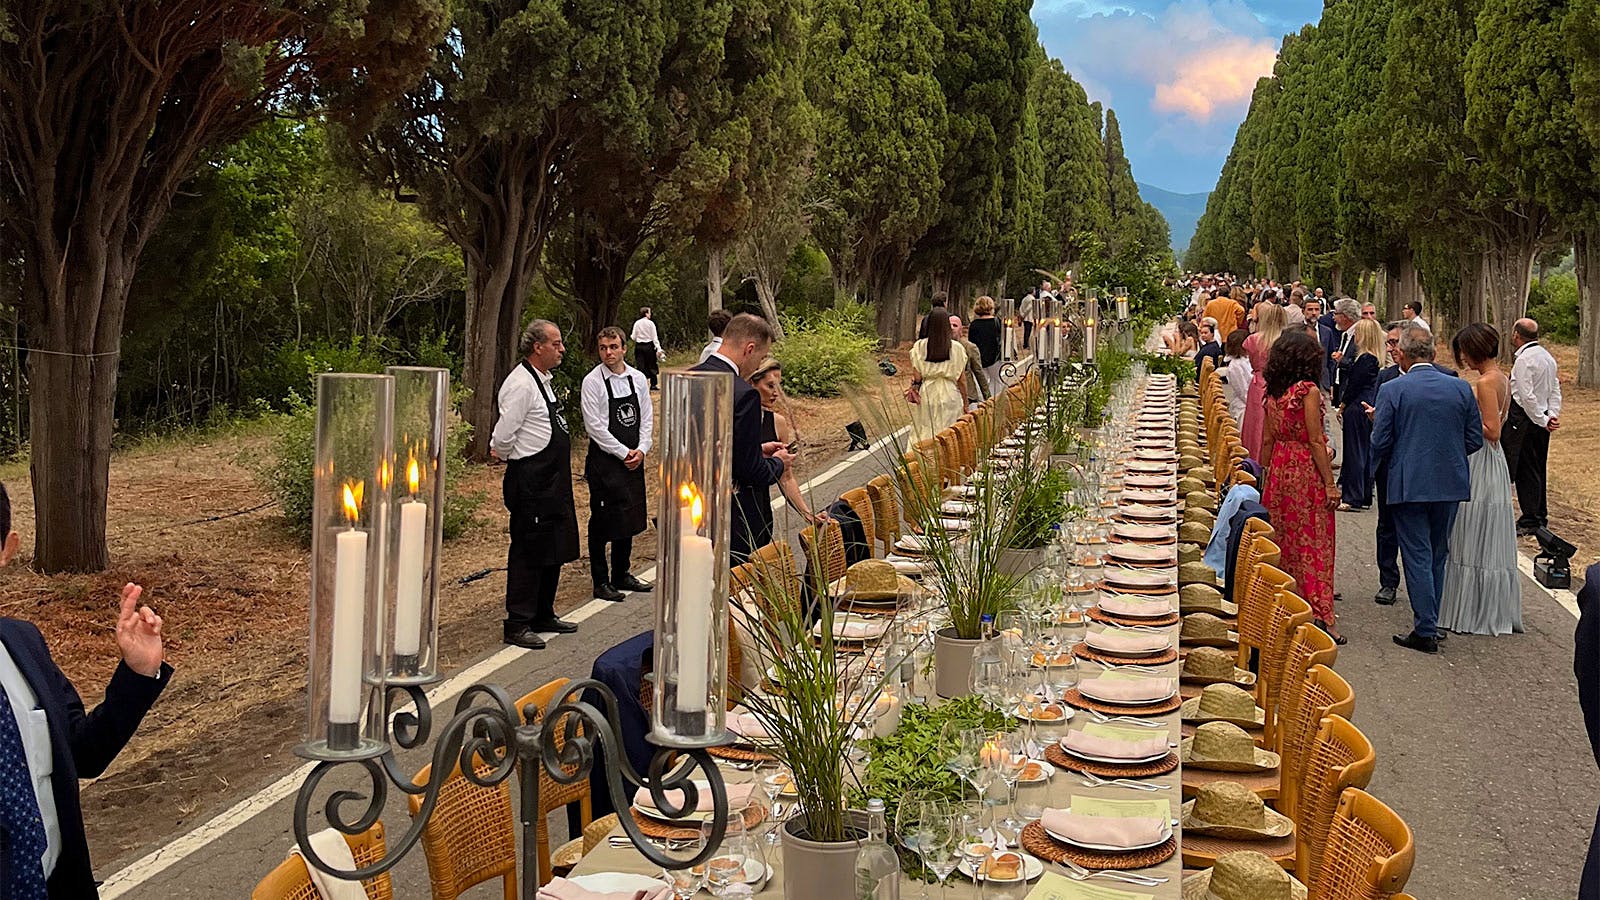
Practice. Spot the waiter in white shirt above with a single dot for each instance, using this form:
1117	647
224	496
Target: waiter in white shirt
647	352
532	437
618	417
1535	412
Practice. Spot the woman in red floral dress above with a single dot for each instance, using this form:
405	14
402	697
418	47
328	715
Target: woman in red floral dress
1300	494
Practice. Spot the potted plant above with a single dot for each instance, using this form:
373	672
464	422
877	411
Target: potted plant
1037	505
814	703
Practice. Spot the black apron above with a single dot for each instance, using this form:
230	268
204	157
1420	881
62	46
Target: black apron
617	503
538	492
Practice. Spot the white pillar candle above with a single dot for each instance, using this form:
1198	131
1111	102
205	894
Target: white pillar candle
408	588
695	582
1088	342
349	613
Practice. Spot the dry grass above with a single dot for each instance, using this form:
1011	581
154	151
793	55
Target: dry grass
232	592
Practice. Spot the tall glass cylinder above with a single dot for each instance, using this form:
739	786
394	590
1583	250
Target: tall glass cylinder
1122	304
1091	324
691	642
349	541
417	492
1010	330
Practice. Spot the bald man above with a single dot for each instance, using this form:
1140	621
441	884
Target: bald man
1535	413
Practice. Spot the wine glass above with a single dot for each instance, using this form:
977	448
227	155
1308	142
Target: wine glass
772	785
937	843
684	880
1012	758
974	833
908	823
726	870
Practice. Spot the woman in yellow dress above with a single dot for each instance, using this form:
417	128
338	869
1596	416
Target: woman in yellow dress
938	363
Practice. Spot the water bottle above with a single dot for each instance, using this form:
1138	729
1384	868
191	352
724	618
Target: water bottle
877	866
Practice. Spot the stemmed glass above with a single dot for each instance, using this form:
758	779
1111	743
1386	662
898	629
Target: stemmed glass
1011	759
937	842
974	824
684	880
725	872
773	785
908	824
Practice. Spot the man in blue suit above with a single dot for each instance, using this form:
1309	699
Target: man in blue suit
759	460
1424	426
48	742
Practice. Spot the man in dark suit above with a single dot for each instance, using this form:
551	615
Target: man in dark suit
1327	336
48	742
1425	425
758	462
1586	666
1388	541
1346	312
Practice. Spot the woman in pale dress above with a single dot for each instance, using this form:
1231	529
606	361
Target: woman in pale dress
1267	326
1237	373
939	363
1482	590
1185	342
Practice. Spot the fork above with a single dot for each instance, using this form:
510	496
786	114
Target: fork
1131	720
1079	873
1092	780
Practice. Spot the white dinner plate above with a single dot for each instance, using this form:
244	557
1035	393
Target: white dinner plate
616	882
1112	760
1166	834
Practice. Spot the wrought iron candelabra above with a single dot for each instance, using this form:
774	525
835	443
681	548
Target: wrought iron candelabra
491	739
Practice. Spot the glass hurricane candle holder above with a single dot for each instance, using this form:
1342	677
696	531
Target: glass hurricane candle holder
417	495
1011	334
1122	304
349	532
1091	325
691	638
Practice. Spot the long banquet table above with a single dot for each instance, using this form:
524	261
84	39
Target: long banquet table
1058	793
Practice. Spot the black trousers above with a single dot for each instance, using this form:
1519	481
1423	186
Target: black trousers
644	359
621	556
1527	448
1388	539
530	588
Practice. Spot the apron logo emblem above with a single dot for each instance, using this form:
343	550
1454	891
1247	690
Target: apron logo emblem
627	414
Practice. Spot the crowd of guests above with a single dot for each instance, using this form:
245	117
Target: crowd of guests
1438	453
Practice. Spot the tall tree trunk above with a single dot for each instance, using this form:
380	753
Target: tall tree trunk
767	295
1407	281
1336	280
599	275
910	305
1507	269
714	279
1469	292
497	291
1586	249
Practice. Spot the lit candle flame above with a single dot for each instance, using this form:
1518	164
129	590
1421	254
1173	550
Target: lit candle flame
692	499
352	500
413	474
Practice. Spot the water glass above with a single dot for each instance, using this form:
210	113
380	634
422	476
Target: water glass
937	843
726	871
684	880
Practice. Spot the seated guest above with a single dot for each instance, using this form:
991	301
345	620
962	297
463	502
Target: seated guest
1209	345
47	741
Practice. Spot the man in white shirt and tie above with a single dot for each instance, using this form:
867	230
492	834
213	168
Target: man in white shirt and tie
618	418
533	438
647	352
1535	413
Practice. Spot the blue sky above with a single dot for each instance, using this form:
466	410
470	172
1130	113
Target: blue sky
1178	72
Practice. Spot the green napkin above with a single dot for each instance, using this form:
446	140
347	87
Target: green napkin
1059	887
1122	732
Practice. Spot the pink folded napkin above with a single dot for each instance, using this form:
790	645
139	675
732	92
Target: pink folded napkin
1127	690
1129	606
857	629
1111	748
1128	641
738	797
746	725
1133	831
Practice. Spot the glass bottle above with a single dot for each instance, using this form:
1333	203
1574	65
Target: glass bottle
877	866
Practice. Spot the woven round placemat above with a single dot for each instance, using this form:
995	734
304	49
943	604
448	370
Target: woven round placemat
753	814
1133	564
1042	845
1168	541
1095	613
1262	784
1083	651
1076	698
1064	760
736	753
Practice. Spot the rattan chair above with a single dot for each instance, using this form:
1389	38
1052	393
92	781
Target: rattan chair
885	511
1257	593
471	836
1310	646
949	451
822	545
1369	852
554	795
1341	757
1288	613
291	880
860	503
1324	694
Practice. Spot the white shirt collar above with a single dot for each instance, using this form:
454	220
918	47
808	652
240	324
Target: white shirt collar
1416	366
720	355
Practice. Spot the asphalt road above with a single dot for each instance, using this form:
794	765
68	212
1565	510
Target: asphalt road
1480	748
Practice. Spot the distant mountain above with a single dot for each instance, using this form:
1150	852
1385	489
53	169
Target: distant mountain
1183	212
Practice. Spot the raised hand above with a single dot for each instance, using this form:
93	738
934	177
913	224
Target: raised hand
139	633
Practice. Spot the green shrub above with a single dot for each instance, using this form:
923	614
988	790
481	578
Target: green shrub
1553	303
825	353
285	472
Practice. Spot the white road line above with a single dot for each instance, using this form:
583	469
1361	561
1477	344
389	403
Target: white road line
165	857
